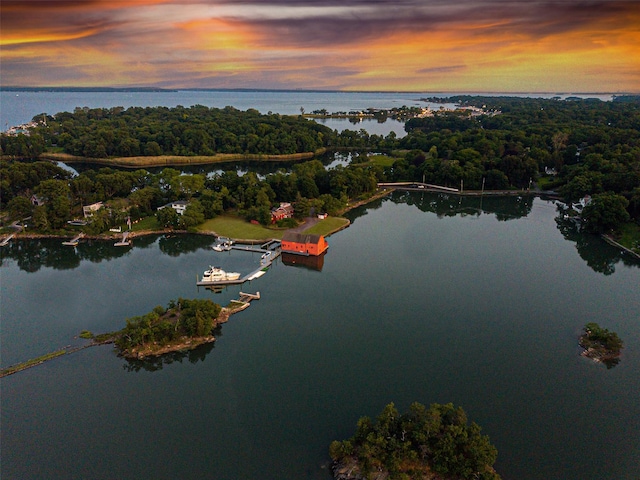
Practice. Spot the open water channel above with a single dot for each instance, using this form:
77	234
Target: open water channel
424	298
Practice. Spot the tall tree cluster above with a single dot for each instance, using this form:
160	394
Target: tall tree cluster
422	441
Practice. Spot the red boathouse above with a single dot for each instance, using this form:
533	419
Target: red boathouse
303	244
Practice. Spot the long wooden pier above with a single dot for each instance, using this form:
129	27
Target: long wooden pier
418	186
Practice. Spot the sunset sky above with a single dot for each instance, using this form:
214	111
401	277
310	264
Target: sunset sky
405	45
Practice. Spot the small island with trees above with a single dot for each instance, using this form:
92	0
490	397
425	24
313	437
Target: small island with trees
426	443
184	325
601	345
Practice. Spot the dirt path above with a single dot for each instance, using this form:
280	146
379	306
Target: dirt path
308	223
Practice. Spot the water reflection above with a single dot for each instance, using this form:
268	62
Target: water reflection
175	245
310	262
31	255
155	364
599	255
445	205
260	168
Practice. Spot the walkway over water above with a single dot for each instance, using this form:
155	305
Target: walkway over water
7	240
74	241
124	242
270	251
419	186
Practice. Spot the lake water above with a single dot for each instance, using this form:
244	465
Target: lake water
20	107
424	298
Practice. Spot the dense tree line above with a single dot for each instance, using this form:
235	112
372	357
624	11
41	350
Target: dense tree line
424	440
152	131
592	147
139	193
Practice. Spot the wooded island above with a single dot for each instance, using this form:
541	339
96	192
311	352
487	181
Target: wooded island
426	443
601	345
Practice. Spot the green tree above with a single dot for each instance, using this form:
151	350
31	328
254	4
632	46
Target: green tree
604	212
168	217
192	216
19	207
56	196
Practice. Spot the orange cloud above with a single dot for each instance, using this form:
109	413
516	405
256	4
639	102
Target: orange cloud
347	44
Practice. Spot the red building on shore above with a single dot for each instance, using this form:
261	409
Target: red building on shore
303	244
285	210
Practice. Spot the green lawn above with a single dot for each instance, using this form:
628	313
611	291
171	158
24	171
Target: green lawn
238	228
545	182
146	223
628	235
380	160
327	226
234	227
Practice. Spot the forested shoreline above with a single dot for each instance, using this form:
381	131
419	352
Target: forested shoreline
583	150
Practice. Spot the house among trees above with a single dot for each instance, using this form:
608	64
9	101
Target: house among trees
179	206
89	210
285	210
303	244
36	201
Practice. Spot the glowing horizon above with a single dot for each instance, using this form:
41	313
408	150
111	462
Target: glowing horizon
410	45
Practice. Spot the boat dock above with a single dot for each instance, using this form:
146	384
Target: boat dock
124	242
74	241
270	251
6	240
224	244
245	300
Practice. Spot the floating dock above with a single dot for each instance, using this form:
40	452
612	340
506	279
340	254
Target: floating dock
7	240
124	242
74	241
270	251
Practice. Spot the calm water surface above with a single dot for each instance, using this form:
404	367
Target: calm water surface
424	298
20	107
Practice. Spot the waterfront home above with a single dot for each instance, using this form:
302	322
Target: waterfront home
89	210
179	206
36	201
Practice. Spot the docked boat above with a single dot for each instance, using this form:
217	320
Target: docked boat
223	246
216	274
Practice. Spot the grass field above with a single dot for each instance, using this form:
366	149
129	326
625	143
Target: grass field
147	223
327	226
234	227
380	160
238	228
628	235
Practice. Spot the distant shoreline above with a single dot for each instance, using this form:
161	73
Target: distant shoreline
44	88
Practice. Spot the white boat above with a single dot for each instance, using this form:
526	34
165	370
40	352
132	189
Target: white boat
216	274
223	246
